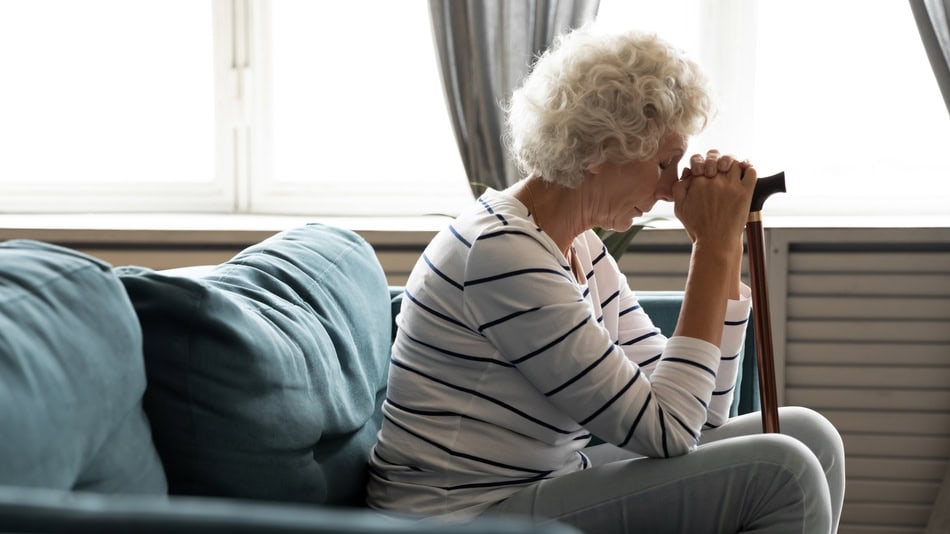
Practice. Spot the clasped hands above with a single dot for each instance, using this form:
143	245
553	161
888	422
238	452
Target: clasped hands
712	198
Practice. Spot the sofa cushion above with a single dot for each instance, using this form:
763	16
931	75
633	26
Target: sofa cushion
266	374
71	376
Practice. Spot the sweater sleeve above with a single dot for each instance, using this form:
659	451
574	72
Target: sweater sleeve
643	343
522	298
733	337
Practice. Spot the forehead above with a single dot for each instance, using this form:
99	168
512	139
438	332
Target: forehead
673	141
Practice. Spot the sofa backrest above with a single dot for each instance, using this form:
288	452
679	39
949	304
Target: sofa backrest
71	376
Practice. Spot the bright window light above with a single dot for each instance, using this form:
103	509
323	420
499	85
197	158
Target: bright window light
106	91
840	95
358	108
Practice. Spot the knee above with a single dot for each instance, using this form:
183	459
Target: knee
796	478
815	431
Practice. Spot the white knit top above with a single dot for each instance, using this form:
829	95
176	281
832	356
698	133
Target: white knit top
505	364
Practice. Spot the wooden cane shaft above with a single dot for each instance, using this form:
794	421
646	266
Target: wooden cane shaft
755	240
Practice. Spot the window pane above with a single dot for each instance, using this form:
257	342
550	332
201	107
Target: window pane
106	91
358	110
840	95
852	113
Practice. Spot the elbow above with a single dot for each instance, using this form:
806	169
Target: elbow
671	443
715	419
680	445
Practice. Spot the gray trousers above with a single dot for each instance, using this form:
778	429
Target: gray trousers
737	480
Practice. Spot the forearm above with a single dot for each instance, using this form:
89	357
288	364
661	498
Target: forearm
712	280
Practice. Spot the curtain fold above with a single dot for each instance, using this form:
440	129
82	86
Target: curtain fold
485	48
934	27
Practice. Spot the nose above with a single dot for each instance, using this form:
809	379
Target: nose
664	188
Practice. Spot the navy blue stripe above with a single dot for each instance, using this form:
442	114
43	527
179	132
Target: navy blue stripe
507	318
726	358
580	374
723	392
603	253
433	413
630	309
609	299
551	344
514	273
481	395
686	428
584	459
734	323
612	399
701	402
433	312
639	339
488	207
691	362
636	421
497	233
496	484
707	424
459	236
459	354
666	451
582	437
440	273
586	292
600	319
590	274
462	454
645	363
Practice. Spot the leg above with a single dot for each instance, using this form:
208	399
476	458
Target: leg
803	424
761	483
807	426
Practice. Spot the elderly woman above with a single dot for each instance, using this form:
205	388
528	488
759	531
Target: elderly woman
519	338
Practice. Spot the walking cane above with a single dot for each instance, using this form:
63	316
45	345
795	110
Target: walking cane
755	240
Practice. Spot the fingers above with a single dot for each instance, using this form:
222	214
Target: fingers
749	175
713	163
711	167
696	165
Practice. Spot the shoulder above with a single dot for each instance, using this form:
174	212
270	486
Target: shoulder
502	234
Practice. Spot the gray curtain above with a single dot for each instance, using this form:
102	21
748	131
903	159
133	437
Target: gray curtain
934	26
485	48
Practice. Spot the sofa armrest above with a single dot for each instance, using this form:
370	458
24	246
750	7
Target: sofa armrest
31	510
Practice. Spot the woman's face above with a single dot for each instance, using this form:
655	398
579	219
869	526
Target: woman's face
619	192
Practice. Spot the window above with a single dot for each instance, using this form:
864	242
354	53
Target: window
840	95
224	106
336	108
108	104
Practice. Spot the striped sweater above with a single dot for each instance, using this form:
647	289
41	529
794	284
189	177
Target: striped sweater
505	364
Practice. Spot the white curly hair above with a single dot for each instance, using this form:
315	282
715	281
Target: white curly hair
595	97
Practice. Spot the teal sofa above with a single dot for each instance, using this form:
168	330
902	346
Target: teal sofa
244	398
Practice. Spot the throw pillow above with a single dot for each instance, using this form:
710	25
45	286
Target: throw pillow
266	374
